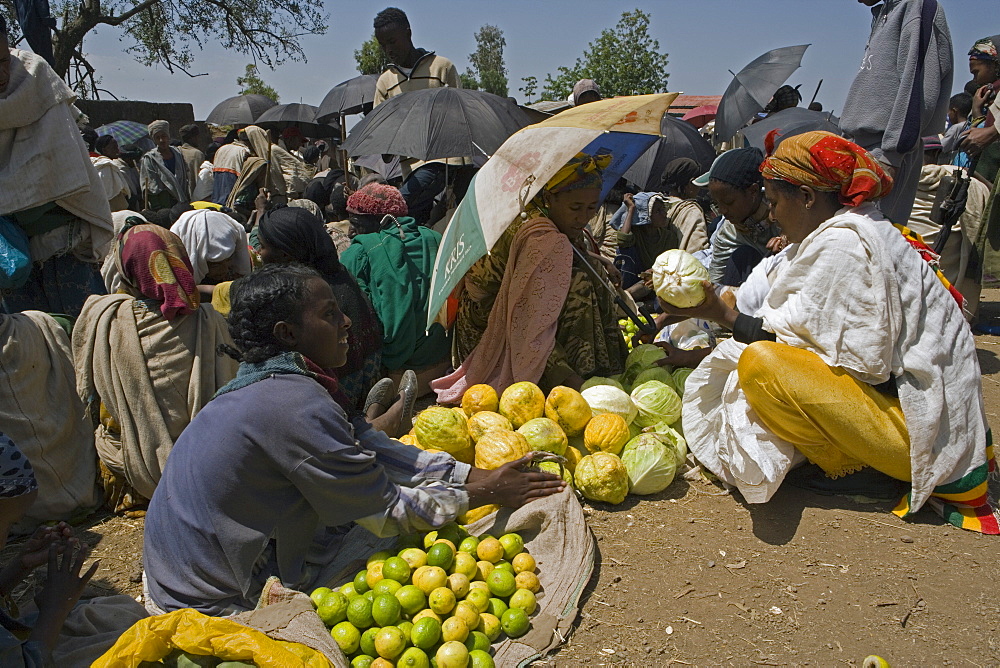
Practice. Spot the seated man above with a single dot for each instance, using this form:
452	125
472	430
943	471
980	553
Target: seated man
287	474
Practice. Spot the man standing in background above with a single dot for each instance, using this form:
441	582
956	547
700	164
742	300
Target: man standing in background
889	109
412	69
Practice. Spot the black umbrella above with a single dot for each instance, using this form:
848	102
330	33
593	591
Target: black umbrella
354	96
240	110
680	140
790	122
437	123
301	116
753	86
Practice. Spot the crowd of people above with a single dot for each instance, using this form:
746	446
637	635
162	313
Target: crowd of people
227	336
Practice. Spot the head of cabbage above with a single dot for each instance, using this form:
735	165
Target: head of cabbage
680	377
660	373
672	438
655	402
677	277
608	399
650	463
600	380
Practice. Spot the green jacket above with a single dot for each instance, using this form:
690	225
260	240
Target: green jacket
395	273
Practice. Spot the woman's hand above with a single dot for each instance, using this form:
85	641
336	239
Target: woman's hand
712	308
777	244
629	201
680	357
980	100
34	554
509	486
978	139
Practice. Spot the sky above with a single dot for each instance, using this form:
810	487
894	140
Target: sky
705	39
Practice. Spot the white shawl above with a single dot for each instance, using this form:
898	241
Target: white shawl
855	293
212	236
43	159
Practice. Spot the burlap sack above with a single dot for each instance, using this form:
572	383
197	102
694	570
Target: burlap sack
286	614
557	536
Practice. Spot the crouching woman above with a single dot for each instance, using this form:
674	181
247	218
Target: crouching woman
858	358
270	475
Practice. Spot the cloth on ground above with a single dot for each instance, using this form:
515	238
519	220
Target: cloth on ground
41	412
92	627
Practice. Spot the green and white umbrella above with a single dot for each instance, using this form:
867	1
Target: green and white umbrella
625	127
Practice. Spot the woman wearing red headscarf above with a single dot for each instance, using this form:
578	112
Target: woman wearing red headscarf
859	356
147	357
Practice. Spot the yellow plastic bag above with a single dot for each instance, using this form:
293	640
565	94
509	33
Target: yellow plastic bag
188	630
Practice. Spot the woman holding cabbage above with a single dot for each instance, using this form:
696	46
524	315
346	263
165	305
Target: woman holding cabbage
529	310
859	356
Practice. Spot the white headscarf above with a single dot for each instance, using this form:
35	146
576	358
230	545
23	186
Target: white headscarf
212	236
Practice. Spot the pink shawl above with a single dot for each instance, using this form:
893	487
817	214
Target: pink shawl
521	332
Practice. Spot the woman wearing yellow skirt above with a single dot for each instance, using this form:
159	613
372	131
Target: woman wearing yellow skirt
859	356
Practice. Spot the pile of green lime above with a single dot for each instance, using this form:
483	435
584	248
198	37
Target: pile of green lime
443	598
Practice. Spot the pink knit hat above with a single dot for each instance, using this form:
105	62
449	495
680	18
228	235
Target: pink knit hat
377	199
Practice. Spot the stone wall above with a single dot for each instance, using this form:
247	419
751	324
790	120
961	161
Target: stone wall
101	112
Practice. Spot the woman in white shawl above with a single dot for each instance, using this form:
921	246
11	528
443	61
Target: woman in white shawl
217	246
859	356
162	171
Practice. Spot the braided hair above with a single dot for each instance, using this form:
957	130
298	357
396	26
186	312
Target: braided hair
269	295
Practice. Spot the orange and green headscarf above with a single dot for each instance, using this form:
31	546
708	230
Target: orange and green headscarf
583	171
828	163
154	265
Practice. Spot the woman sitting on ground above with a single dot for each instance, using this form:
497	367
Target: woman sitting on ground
288	473
217	247
392	258
530	311
859	356
146	359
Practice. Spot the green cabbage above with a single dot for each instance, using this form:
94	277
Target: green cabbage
651	464
680	377
673	438
660	373
644	355
656	402
600	380
677	277
608	399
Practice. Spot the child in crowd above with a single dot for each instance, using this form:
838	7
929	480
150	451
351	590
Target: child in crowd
22	645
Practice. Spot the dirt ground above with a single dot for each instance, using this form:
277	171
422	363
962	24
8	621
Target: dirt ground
695	577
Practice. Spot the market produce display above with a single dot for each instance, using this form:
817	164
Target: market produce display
604	442
441	598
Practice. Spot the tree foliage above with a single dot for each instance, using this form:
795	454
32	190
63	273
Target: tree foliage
468	79
251	84
370	58
623	60
488	67
530	88
168	32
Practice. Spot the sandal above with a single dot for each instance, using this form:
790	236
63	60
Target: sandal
381	394
408	387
